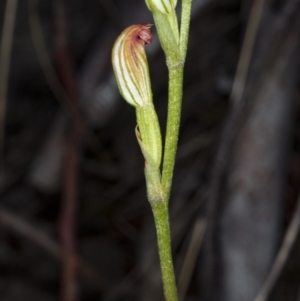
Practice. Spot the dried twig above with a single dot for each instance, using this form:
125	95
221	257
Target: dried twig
282	255
44	56
226	140
6	45
52	78
13	223
247	50
191	257
68	215
73	153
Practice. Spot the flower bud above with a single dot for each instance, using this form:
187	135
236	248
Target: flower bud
164	6
130	65
132	74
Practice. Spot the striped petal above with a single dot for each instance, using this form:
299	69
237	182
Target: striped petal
131	66
164	6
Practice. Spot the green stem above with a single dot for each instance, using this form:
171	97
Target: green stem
175	56
173	122
175	99
161	218
185	26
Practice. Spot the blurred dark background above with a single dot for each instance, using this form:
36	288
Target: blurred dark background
74	219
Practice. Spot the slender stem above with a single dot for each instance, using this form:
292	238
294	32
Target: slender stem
161	217
173	122
175	100
185	26
175	61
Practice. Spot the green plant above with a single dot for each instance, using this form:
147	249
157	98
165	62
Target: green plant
132	74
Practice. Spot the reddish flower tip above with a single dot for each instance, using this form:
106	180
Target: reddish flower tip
144	33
